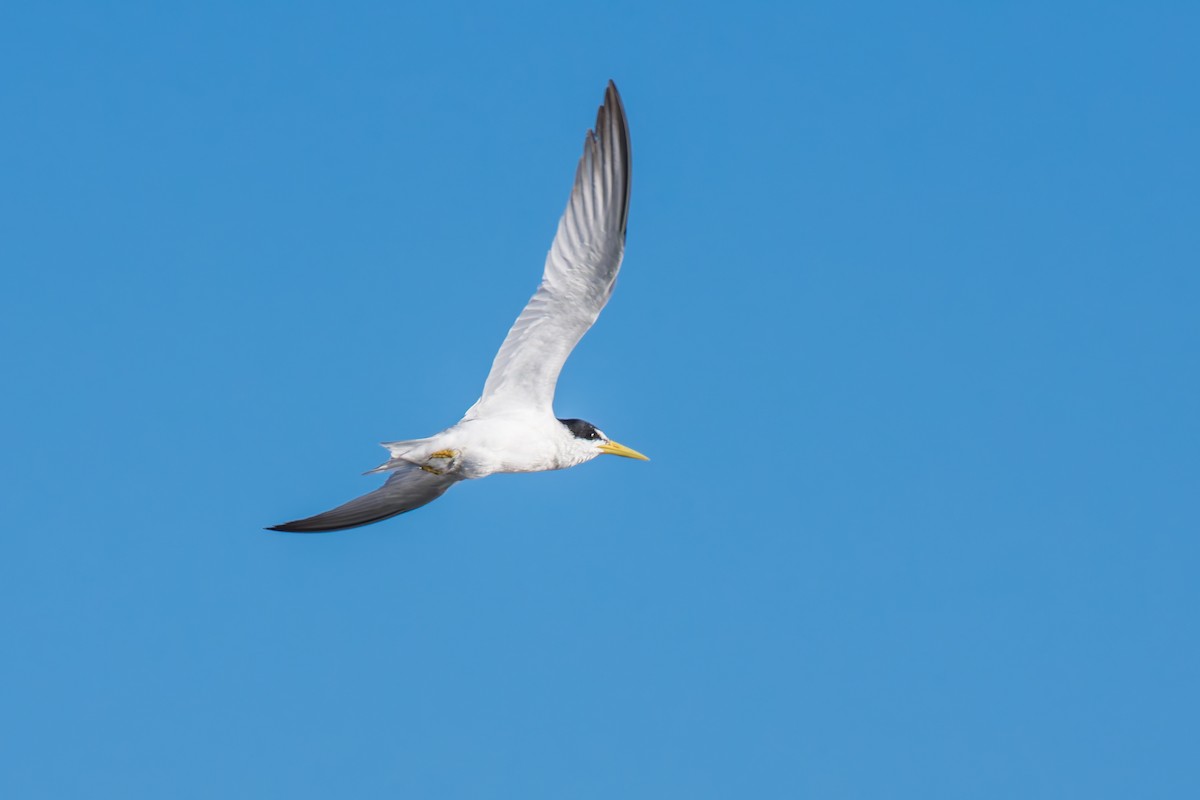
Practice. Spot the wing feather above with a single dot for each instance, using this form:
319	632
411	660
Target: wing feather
579	275
406	489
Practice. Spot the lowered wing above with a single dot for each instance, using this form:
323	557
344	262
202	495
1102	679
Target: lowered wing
406	489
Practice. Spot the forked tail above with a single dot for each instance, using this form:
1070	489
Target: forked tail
398	450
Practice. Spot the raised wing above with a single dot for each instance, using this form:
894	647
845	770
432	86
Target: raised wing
407	488
581	269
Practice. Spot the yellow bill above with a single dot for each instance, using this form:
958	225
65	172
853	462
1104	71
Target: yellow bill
614	449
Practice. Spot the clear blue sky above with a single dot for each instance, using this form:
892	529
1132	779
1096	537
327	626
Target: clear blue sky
908	324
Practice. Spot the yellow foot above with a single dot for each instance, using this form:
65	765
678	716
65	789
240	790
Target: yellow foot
441	462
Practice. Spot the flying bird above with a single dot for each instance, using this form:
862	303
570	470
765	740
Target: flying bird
512	427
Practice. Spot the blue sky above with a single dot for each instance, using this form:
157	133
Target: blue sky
908	325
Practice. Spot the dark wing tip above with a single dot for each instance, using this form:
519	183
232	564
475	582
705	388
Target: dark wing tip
299	526
612	97
329	522
612	130
341	518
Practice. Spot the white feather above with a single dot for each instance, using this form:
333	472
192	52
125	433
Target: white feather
578	278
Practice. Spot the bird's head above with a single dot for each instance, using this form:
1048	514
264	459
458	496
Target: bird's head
587	441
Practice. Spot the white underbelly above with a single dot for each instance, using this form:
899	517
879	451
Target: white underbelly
490	446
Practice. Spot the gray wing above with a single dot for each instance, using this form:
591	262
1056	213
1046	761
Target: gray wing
408	488
580	271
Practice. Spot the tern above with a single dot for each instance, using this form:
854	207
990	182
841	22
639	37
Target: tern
512	427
